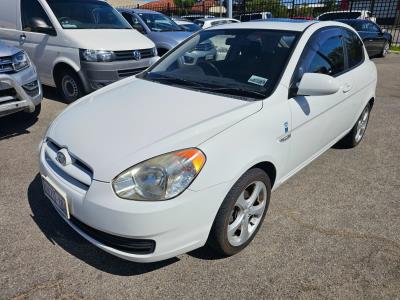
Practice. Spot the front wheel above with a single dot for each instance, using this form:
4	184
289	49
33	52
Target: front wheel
69	86
241	213
385	50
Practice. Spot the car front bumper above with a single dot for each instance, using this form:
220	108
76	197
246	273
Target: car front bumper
173	227
96	75
16	94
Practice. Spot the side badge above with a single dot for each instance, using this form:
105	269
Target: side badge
286	125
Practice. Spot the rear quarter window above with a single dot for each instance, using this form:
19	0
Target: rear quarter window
354	48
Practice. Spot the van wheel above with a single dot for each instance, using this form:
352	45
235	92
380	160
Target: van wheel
356	134
241	213
69	85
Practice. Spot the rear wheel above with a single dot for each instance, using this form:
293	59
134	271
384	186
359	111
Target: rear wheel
241	213
69	85
354	137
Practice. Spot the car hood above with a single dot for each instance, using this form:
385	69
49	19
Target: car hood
8	50
171	38
134	120
116	39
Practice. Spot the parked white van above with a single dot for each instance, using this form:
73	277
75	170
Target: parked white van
78	46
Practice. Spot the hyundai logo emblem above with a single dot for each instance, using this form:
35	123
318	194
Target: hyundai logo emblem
61	158
136	55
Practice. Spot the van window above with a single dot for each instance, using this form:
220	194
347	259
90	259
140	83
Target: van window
31	11
354	48
87	14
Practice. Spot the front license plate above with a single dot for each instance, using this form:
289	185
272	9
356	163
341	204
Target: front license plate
56	196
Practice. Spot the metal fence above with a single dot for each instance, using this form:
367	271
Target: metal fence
386	12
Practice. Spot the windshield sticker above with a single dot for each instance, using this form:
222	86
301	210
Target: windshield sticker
258	80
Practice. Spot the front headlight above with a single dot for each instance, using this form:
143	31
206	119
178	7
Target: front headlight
160	178
20	61
96	55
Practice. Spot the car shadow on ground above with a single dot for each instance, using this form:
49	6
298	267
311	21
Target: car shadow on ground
15	125
52	94
58	232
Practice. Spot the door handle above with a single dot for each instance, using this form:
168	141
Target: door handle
346	88
22	38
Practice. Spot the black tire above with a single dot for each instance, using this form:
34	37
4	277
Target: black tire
69	85
385	49
218	238
161	51
351	139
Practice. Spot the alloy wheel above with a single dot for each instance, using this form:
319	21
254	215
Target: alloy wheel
362	124
247	213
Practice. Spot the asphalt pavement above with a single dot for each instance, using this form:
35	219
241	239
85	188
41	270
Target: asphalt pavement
332	231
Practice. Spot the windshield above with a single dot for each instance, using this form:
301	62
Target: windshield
159	22
87	14
244	63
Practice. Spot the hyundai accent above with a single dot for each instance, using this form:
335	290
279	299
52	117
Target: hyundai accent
186	153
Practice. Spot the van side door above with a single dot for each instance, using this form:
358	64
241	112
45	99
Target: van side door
37	32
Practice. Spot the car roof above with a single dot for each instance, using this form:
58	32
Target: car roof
282	20
276	25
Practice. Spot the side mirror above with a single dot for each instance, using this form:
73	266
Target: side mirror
139	28
40	25
315	84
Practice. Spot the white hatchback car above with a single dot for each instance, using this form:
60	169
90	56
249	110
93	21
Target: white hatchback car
183	155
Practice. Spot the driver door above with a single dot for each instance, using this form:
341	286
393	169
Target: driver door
318	120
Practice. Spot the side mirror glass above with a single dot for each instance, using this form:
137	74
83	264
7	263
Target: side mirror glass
315	84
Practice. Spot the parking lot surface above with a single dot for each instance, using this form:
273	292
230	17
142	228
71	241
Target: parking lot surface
331	231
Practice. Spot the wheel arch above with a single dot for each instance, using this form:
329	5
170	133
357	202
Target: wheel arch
63	65
268	168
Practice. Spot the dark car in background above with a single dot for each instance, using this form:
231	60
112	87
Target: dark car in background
377	41
163	31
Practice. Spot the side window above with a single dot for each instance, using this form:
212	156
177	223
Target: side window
134	22
324	53
326	57
32	15
354	48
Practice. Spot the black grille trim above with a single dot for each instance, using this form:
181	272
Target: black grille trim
134	246
128	54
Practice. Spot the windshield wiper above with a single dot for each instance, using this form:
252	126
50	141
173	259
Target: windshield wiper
239	92
169	79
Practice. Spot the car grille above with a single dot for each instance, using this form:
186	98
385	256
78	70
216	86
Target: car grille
129	72
134	246
77	174
6	65
128	54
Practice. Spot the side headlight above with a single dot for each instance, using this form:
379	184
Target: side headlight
160	178
96	55
20	61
